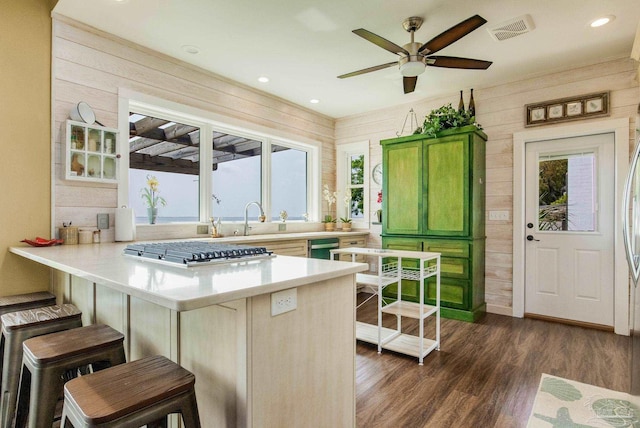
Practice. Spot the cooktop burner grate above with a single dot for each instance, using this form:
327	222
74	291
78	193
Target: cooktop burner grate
194	253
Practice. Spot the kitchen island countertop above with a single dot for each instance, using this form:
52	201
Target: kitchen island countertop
181	288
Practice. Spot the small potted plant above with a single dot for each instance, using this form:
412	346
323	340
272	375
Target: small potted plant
346	224
330	197
329	223
346	220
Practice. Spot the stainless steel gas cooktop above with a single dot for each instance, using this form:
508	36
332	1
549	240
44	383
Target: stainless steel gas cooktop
195	253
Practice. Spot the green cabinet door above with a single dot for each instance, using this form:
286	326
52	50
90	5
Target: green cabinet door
402	188
446	176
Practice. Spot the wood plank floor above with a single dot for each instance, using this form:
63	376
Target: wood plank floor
485	375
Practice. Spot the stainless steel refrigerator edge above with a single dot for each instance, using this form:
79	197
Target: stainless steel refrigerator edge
631	230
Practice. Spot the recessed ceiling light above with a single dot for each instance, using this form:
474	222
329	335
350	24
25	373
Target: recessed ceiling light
191	49
263	79
120	1
599	22
314	101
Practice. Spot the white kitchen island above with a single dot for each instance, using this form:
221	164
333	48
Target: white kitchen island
252	369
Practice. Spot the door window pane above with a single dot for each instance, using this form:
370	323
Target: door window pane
288	182
164	159
236	178
567	192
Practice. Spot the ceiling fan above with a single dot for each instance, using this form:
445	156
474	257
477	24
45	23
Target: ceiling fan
414	56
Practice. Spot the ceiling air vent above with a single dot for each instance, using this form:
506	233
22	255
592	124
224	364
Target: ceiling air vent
511	28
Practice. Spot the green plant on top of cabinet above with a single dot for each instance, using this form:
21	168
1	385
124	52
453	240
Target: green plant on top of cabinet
90	152
434	200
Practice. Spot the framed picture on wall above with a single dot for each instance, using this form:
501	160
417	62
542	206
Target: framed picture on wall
564	109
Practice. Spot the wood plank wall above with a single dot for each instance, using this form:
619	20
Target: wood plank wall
500	110
92	66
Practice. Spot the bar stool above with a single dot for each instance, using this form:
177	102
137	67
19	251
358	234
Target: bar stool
131	395
46	360
18	327
20	302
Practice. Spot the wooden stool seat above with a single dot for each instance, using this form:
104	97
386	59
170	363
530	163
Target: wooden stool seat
20	302
132	395
46	360
18	327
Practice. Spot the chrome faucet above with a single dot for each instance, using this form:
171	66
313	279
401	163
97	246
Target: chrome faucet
262	217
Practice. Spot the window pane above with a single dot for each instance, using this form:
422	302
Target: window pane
170	153
288	182
357	203
236	179
567	193
357	169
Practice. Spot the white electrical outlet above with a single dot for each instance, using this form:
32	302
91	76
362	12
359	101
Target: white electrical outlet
284	301
373	267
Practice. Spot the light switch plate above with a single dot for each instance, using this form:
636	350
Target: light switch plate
103	221
499	215
282	227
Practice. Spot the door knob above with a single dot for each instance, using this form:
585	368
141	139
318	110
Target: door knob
530	225
531	238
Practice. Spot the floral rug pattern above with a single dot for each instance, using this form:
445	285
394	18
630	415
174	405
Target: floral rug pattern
562	403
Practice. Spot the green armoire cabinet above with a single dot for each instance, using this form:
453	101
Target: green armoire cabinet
434	200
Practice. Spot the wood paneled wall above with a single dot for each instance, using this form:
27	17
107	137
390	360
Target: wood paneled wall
93	66
500	111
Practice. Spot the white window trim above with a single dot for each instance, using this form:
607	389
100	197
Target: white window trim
343	154
208	122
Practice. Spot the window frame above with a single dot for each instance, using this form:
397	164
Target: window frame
343	179
209	122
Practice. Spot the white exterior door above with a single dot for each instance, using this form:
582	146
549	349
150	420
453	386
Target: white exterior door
569	258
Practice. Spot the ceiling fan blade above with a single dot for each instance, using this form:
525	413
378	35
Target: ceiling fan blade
380	41
409	84
455	62
453	34
368	70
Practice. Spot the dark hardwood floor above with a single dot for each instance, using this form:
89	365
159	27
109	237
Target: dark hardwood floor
486	373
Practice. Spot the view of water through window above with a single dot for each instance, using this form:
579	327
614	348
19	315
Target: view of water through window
164	174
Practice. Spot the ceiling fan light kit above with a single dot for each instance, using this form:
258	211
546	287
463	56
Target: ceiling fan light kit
412	68
415	57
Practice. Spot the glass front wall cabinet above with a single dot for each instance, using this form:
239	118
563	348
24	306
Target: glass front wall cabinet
90	153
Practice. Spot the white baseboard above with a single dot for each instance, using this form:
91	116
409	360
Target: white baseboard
499	310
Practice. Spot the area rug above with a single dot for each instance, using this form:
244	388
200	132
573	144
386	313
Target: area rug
563	403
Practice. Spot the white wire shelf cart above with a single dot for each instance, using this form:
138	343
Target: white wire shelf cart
391	271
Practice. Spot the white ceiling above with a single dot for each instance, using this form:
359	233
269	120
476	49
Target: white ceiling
302	45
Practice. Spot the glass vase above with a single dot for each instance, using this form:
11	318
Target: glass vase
152	213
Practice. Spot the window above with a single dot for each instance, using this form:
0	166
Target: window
237	175
238	167
168	152
353	183
289	183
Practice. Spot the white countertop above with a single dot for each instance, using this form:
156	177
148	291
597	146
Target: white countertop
180	288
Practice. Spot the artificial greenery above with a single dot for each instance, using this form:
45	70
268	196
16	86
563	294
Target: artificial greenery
446	117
